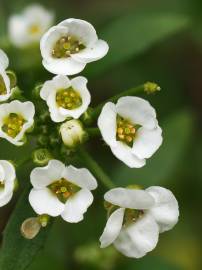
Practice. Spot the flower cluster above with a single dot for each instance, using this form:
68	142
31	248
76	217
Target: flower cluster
59	123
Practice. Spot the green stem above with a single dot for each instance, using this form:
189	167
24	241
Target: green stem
94	167
93	132
148	87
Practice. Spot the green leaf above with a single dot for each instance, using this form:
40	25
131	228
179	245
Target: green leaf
177	134
18	252
133	34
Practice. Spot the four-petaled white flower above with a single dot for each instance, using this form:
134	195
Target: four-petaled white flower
66	98
67	47
16	118
59	190
7	181
5	88
131	130
137	217
28	27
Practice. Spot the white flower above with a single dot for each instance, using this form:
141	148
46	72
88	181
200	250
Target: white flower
67	47
59	190
137	217
72	133
7	181
28	27
5	89
16	118
66	98
131	130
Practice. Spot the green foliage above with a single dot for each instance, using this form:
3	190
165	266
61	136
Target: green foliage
17	252
133	34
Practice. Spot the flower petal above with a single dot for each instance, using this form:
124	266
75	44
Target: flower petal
80	177
77	205
138	111
129	198
138	239
165	211
124	153
66	66
112	228
43	176
43	201
81	29
4	62
107	123
147	142
94	53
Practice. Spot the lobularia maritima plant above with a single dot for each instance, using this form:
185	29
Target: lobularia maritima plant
61	122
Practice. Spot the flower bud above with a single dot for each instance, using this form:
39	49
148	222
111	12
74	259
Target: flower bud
151	87
30	227
12	78
72	133
41	156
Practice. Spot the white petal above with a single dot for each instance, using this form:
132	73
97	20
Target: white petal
138	239
94	53
166	210
43	176
112	228
107	123
4	62
124	153
81	29
43	201
17	31
5	199
147	142
137	110
9	171
77	205
61	82
6	81
54	110
129	198
80	177
66	66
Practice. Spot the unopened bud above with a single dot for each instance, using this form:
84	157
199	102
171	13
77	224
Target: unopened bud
41	156
87	116
36	91
30	227
43	220
151	87
72	133
12	78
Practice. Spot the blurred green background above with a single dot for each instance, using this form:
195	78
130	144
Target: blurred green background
149	40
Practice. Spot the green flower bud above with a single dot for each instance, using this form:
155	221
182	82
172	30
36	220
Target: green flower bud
72	133
151	87
12	77
87	116
41	156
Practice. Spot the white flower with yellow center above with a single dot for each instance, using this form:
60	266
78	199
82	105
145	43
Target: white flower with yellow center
16	118
136	217
60	190
66	98
28	27
131	130
67	47
7	181
5	88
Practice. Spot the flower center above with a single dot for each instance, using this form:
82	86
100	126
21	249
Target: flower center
63	189
34	29
13	124
2	184
65	46
2	86
131	216
68	98
125	131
